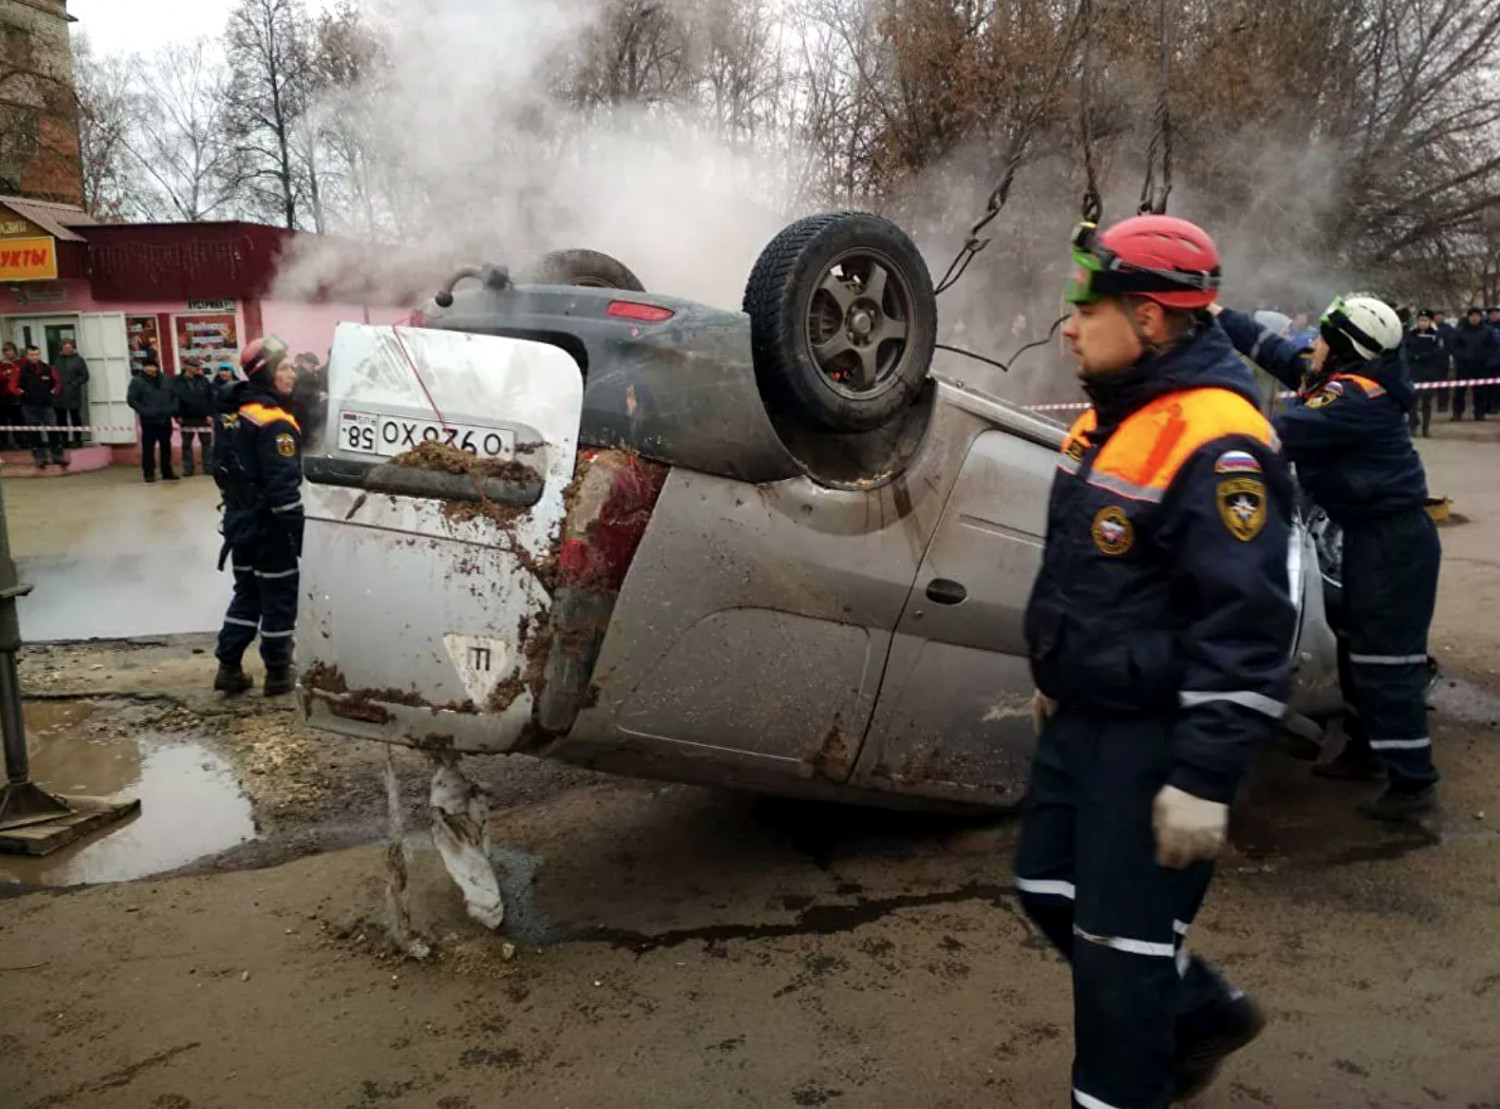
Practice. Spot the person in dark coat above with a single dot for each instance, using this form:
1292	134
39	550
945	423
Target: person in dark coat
197	405
1427	358
1445	329
1349	440
150	396
1159	630
12	438
258	466
1494	371
1473	349
35	385
72	395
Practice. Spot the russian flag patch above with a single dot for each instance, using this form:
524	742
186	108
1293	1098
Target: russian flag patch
1236	462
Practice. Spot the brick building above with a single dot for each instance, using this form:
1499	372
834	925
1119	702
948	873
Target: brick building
39	147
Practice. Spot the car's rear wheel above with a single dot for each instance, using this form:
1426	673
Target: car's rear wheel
589	268
842	320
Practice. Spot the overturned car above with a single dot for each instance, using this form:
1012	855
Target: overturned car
775	549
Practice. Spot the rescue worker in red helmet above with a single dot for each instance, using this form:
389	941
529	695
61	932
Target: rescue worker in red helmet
1159	629
258	467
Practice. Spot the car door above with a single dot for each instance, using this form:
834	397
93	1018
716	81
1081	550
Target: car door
953	716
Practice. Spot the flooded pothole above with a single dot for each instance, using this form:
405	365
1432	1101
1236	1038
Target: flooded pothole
191	801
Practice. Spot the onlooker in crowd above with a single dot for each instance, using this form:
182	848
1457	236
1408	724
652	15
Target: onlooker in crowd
309	400
1444	328
1494	370
73	379
196	407
151	397
10	405
36	386
1473	347
1427	358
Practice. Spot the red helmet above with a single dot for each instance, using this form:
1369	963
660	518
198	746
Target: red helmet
1161	258
262	355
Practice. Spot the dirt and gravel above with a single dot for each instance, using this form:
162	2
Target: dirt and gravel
670	946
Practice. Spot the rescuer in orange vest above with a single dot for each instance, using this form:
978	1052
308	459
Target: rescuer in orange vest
1160	629
257	462
1349	438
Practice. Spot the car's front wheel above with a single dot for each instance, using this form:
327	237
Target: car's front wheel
842	320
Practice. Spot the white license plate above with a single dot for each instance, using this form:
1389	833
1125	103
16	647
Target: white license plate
367	433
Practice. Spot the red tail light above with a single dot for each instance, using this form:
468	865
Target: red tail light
645	313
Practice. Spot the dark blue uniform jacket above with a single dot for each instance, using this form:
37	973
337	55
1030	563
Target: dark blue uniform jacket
1163	589
1347	433
258	466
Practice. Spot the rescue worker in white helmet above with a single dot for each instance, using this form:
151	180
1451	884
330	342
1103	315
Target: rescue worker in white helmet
1159	631
1348	437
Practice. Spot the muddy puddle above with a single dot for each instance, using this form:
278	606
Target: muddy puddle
191	802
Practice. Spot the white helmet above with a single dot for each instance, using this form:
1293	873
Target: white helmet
1366	323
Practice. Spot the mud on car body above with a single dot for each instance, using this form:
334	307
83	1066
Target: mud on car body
774	549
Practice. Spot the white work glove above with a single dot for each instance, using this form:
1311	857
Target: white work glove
1042	708
1188	829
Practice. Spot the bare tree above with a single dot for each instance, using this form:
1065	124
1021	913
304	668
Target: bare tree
347	63
639	52
108	109
268	94
182	147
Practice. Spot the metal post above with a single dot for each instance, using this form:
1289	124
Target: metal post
21	802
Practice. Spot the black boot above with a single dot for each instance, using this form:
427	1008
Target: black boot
1399	803
279	680
232	679
1206	1039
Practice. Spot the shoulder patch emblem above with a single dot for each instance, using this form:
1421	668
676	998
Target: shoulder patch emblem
1330	392
286	446
1237	462
1113	532
1242	505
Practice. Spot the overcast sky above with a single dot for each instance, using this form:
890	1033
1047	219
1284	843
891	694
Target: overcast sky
139	26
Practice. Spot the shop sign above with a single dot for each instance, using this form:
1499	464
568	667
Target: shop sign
39	294
210	306
28	259
213	338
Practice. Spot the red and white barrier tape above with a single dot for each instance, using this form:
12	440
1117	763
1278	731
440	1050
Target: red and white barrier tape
1067	406
1078	406
58	427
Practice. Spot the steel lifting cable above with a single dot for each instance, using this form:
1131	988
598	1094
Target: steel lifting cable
1006	365
1153	200
1029	123
1093	205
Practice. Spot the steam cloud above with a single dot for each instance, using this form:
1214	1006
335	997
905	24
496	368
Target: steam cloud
499	171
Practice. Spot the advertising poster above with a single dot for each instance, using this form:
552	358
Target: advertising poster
211	336
144	342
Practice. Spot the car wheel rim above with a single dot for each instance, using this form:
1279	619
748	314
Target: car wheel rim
858	318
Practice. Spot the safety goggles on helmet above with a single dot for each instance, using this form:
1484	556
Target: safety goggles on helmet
1100	272
1337	319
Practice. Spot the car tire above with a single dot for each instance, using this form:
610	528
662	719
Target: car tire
589	268
830	348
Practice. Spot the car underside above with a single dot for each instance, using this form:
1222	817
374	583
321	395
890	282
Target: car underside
777	549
